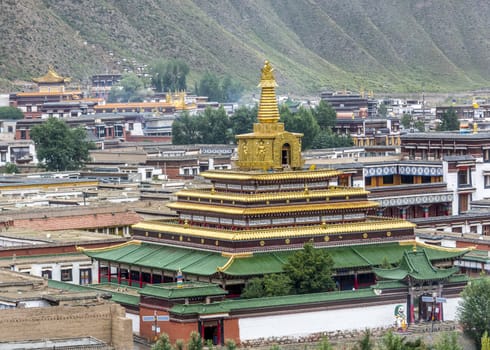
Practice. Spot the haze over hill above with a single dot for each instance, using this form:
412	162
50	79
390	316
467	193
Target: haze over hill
400	45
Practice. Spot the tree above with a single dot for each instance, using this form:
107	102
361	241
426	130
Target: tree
448	341
163	343
215	126
325	116
220	90
169	75
209	86
302	122
366	342
254	288
195	342
243	119
329	139
382	110
324	344
60	148
129	89
310	270
11	168
276	284
406	121
185	130
449	120
474	309
11	113
485	341
231	91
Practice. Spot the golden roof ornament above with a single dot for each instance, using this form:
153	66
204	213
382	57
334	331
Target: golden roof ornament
51	77
268	110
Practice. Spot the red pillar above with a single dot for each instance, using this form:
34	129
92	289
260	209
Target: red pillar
141	279
151	277
356	281
99	272
218	333
119	275
109	272
130	283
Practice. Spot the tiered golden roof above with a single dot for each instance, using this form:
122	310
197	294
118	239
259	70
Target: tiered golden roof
268	196
51	77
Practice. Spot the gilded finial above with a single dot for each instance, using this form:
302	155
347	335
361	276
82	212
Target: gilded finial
267	71
267	78
414	248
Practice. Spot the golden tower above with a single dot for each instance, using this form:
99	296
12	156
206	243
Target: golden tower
269	147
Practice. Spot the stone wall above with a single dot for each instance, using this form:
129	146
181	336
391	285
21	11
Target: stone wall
105	322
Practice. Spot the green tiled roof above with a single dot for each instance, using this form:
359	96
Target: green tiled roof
264	303
205	263
189	261
417	265
477	255
188	290
118	297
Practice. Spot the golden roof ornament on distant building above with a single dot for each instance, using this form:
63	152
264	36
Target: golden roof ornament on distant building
51	77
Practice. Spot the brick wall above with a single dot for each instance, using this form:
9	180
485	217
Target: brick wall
105	322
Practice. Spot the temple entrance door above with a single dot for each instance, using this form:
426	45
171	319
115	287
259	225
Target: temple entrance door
212	331
286	155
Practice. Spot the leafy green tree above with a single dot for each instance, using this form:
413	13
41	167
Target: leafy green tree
329	139
310	270
448	341
276	284
215	126
209	86
11	113
185	130
129	89
60	148
449	121
230	344
419	125
169	75
324	344
406	120
195	342
474	310
325	116
366	342
231	91
243	119
179	344
254	288
302	122
382	110
163	343
11	168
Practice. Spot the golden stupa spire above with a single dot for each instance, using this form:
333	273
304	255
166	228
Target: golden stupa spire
268	110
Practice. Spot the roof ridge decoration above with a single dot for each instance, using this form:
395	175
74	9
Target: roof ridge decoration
51	77
111	247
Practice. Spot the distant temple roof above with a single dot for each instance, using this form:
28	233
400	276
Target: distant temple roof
416	265
51	77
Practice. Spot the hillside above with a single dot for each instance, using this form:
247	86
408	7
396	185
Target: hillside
399	45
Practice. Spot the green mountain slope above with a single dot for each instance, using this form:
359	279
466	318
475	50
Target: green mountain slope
399	45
